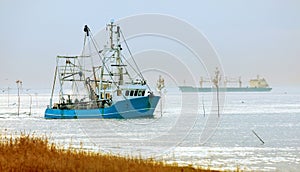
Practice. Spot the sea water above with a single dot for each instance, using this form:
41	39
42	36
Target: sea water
186	129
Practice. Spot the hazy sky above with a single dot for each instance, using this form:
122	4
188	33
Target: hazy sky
251	37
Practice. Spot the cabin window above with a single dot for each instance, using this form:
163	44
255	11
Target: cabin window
102	96
136	92
140	93
131	93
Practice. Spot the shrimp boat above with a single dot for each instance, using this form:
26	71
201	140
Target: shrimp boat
99	83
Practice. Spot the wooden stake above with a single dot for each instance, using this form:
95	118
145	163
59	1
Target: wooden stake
258	137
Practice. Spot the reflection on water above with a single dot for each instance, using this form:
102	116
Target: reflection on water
175	136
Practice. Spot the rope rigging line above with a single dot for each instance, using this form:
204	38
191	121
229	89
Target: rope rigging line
130	66
139	71
102	59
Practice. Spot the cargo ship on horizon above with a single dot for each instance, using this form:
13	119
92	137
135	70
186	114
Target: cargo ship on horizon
255	85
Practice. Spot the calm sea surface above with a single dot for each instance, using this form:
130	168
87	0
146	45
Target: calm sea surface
188	129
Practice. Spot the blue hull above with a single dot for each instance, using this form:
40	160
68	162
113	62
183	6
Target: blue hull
139	107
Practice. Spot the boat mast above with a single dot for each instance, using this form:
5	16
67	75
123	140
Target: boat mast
120	68
116	47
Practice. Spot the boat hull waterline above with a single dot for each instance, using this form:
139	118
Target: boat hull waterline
140	107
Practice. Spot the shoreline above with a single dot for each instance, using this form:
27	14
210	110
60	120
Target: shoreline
32	153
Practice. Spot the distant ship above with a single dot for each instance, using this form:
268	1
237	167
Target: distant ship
255	85
100	87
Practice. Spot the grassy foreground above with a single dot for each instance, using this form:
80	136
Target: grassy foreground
30	153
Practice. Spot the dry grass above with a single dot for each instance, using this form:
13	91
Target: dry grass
30	153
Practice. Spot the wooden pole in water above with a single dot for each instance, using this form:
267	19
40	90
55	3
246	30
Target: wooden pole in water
53	86
8	96
258	137
203	106
19	84
161	109
218	101
216	81
30	103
